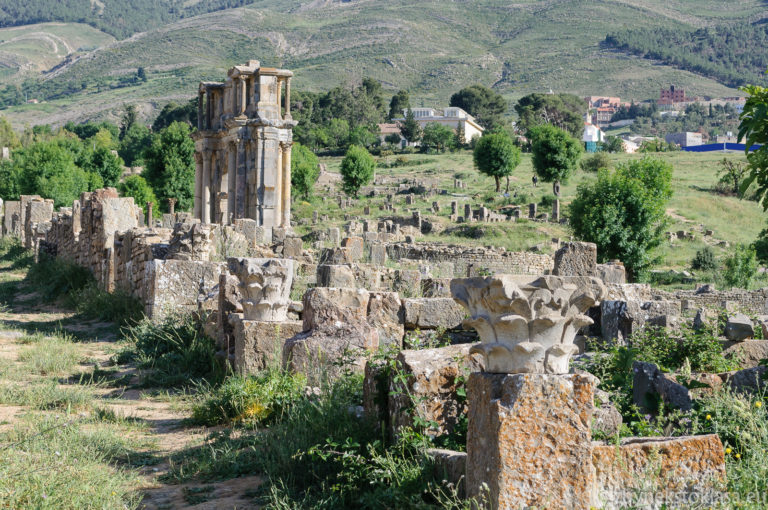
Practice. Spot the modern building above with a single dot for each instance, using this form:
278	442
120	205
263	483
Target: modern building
389	128
453	117
243	147
671	96
685	139
592	136
602	108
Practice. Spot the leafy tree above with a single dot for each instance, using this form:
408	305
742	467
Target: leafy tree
410	128
612	144
103	162
704	260
497	156
141	74
90	129
595	162
437	136
357	169
8	136
485	105
362	136
170	165
305	169
174	112
555	154
400	101
130	117
392	139
134	143
732	173
624	212
754	130
657	145
338	133
740	267
137	187
564	111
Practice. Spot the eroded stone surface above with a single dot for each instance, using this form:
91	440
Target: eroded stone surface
527	326
259	345
529	440
433	313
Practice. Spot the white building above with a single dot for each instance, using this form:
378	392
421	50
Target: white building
685	139
453	117
592	133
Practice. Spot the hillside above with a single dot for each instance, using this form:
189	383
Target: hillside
432	48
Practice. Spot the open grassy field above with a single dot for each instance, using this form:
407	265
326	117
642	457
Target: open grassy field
432	48
694	204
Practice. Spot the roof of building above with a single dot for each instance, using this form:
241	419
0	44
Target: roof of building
389	128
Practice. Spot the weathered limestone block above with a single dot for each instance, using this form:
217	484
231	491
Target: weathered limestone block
529	440
335	275
576	259
651	385
192	240
355	245
748	352
619	319
606	419
292	247
527	326
436	287
259	345
659	472
173	286
326	307
12	211
385	315
433	313
265	285
434	378
749	380
612	272
378	256
336	256
255	234
450	466
739	327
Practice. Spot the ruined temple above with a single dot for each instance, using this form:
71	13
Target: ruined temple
243	147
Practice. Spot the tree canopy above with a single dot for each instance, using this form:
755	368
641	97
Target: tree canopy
305	169
754	131
624	212
485	105
437	136
564	111
170	165
555	154
496	155
357	170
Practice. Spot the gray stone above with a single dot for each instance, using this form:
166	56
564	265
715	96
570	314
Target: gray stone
292	247
334	275
738	328
650	385
433	313
259	345
749	352
385	315
265	285
576	259
750	380
606	418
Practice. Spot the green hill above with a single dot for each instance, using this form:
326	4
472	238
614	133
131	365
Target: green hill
431	47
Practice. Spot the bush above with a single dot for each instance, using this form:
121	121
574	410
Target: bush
704	260
595	162
138	188
357	169
255	400
96	303
547	200
56	277
305	170
740	267
175	350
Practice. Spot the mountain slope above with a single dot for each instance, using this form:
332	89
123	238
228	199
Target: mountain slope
431	47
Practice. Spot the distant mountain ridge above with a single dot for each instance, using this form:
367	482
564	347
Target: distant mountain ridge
432	48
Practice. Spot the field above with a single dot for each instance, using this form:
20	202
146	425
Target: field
694	204
431	48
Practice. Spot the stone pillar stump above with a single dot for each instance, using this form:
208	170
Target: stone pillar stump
529	440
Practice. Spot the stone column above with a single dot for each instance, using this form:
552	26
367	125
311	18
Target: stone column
231	180
206	190
556	210
149	214
198	209
288	99
287	184
242	96
172	205
279	96
199	110
208	110
279	185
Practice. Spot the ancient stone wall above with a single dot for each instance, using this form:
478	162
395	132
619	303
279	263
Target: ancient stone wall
472	261
754	301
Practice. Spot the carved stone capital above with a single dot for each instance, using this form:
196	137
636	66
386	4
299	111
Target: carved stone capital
527	326
265	285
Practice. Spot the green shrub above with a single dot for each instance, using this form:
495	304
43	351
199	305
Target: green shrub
56	277
256	400
595	162
96	303
547	200
704	260
740	267
175	350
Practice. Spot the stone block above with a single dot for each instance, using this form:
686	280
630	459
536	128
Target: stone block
433	313
340	255
175	286
259	345
334	307
739	327
436	287
450	466
650	386
576	259
659	472
619	319
355	245
612	272
378	254
434	378
334	275
385	315
748	352
292	247
529	440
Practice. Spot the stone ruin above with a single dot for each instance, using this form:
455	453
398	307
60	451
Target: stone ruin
513	319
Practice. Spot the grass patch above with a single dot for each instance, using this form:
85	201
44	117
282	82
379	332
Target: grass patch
45	395
96	303
51	355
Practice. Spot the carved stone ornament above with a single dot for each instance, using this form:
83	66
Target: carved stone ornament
527	326
265	285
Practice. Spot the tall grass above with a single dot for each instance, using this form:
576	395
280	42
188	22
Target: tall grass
51	355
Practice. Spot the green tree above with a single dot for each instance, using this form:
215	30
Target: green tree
305	169
102	161
485	105
170	165
497	156
732	173
357	169
555	154
8	136
392	139
564	111
595	162
174	112
400	101
338	133
612	144
624	212
130	117
437	136
136	140
362	136
740	267
137	187
410	128
753	129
